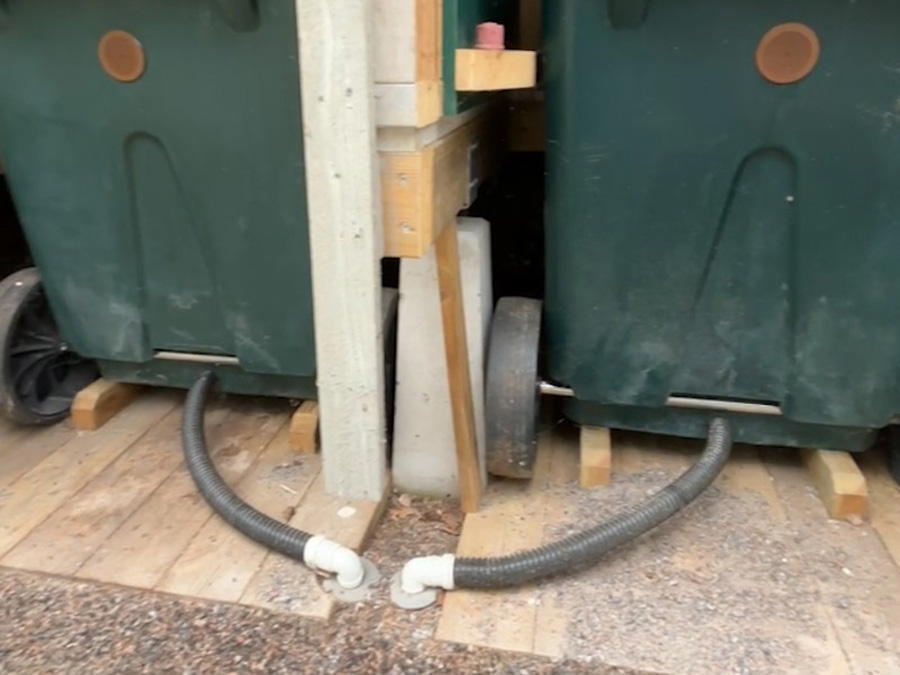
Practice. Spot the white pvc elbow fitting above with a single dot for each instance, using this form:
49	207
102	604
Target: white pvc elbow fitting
324	554
433	571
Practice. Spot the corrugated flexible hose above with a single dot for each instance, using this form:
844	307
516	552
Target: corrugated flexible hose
258	526
584	548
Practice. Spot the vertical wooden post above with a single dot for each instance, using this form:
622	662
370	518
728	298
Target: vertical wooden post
457	355
342	191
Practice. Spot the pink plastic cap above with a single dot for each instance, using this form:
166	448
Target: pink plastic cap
490	35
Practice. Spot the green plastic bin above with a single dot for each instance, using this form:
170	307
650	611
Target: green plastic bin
159	177
723	215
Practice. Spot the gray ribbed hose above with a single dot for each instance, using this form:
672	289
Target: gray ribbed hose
224	501
584	548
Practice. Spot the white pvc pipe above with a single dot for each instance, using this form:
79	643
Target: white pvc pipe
433	571
324	554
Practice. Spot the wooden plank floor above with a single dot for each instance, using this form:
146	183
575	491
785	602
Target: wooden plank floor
118	505
752	578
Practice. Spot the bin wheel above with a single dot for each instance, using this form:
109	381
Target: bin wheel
39	374
893	452
512	393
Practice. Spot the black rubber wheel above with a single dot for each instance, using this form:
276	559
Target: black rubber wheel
893	452
39	374
512	393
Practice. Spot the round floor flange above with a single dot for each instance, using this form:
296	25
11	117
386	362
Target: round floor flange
121	56
405	600
787	53
371	576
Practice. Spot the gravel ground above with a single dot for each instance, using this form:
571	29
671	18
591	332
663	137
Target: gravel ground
54	625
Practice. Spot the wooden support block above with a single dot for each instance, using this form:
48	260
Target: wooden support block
840	483
304	428
495	70
100	401
596	457
457	356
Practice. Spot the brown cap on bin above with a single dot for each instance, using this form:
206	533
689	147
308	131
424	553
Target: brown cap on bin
787	53
121	56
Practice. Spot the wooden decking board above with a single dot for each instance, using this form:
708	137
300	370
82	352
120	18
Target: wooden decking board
866	623
219	562
118	500
38	492
746	473
145	545
511	619
71	534
117	504
884	503
23	448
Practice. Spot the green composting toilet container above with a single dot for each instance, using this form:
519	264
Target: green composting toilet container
155	155
722	222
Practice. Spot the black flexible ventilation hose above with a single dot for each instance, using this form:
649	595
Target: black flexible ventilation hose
584	548
221	498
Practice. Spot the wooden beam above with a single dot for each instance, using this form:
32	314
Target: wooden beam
428	40
495	70
457	355
422	191
304	428
839	482
100	401
596	457
337	76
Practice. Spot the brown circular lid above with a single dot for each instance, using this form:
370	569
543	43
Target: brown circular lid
121	56
787	53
